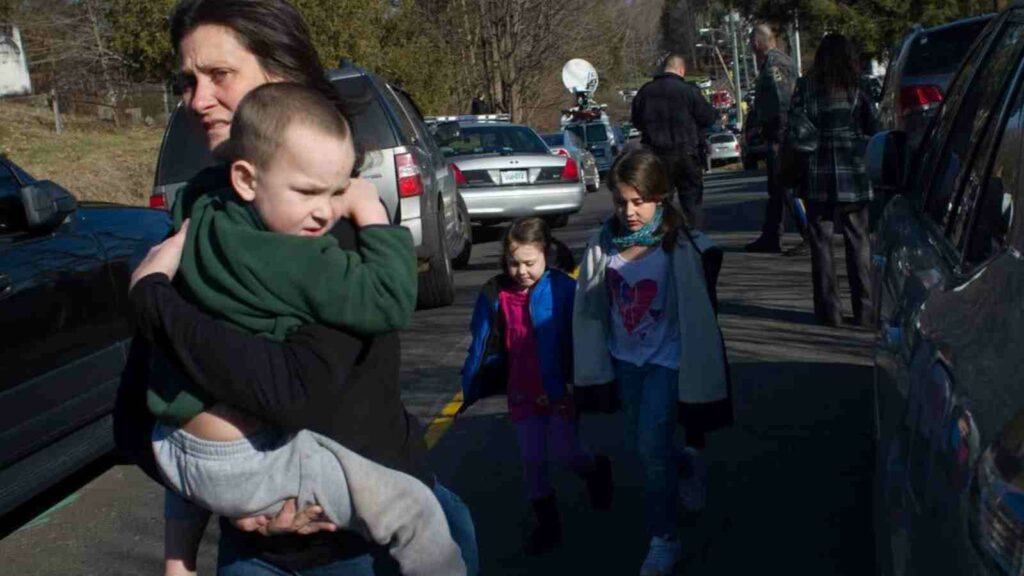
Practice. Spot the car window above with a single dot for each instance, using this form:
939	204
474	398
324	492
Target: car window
12	214
938	130
366	113
406	113
410	109
184	151
596	133
941	51
972	118
992	209
574	139
577	130
497	140
721	138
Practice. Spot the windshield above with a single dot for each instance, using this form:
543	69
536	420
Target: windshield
496	140
552	139
941	51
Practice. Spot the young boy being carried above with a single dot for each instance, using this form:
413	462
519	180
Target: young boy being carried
257	256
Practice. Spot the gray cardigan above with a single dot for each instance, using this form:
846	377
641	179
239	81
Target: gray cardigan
702	367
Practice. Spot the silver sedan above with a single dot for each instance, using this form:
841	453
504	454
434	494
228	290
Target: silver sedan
723	147
506	171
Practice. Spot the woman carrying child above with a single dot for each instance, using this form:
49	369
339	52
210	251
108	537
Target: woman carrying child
644	318
522	346
323	377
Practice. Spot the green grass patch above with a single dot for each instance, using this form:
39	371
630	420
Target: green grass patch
92	158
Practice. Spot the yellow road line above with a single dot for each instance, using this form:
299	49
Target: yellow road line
440	424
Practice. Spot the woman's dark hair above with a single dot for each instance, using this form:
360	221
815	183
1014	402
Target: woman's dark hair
273	31
836	65
642	169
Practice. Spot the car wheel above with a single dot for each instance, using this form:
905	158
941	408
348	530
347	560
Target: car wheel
559	221
437	283
462	259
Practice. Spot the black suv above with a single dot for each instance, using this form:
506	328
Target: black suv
402	159
949	285
64	334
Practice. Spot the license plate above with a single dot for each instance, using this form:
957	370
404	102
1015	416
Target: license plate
514	177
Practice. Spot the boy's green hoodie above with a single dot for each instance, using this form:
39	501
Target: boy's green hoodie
268	283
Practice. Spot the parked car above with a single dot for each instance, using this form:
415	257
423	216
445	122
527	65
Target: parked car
600	140
949	286
723	147
506	171
568	144
402	160
64	330
921	68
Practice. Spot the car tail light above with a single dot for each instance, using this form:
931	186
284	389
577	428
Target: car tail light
736	146
561	152
460	179
410	179
919	98
158	201
571	172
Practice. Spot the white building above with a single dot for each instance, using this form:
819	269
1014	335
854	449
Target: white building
14	79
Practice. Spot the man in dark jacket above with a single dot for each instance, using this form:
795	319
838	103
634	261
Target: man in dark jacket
773	90
671	114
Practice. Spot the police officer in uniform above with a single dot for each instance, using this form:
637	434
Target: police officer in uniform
772	93
671	115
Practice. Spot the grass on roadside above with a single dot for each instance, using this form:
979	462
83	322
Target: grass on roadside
91	158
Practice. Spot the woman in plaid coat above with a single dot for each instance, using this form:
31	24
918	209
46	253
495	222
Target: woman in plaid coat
835	183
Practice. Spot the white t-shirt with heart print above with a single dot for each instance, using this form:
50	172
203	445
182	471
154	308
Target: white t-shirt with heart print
645	330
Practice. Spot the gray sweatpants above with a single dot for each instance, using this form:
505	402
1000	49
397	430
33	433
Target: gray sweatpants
255	475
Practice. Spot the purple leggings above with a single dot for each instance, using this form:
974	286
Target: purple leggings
555	433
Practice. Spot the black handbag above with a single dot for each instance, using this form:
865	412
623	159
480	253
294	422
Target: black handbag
801	133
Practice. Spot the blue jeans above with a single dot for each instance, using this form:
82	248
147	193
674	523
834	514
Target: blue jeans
649	398
460	522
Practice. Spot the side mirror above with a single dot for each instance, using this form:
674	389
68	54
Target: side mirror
885	160
46	204
445	132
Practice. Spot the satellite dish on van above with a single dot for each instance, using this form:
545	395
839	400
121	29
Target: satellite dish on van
579	76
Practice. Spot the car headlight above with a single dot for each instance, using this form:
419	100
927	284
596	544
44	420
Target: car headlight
996	503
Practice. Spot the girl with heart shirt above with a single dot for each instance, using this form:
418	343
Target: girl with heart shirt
643	319
522	347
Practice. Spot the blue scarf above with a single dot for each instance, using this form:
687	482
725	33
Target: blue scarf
645	236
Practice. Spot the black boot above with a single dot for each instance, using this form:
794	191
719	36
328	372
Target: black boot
547	534
599	483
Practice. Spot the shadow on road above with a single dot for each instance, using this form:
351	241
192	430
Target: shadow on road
789	488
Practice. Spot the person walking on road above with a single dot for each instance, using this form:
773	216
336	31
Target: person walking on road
643	317
522	346
773	90
835	182
671	114
342	385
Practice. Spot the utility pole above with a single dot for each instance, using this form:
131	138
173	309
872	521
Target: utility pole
734	19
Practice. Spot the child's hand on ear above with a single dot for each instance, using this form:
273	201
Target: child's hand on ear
360	204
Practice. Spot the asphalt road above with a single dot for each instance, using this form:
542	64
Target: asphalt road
789	483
